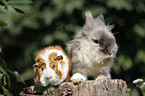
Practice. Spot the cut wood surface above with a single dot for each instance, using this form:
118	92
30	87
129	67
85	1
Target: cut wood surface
113	87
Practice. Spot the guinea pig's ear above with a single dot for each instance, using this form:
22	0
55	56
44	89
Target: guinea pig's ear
59	58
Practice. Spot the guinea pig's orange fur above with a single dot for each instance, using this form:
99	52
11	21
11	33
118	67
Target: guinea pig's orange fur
38	68
56	68
68	76
53	58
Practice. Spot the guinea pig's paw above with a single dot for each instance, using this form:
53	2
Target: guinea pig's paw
101	77
77	78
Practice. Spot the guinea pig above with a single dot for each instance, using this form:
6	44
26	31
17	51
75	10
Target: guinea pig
52	66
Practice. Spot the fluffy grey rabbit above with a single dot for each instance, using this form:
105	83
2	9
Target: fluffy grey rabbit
92	50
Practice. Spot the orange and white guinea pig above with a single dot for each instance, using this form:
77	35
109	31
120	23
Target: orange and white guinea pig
52	66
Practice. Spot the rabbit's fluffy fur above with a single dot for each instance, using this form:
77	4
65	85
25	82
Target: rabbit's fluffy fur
92	50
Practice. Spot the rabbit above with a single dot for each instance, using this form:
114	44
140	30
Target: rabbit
93	49
52	66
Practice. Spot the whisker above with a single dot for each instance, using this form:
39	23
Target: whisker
115	33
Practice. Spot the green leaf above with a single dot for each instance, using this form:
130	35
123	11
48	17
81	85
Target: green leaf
3	2
16	74
139	29
125	61
4	72
1	76
2	23
19	11
6	91
2	62
120	4
140	56
20	2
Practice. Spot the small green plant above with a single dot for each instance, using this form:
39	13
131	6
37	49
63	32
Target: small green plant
5	78
138	89
7	4
140	83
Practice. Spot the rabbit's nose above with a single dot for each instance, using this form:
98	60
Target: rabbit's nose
106	51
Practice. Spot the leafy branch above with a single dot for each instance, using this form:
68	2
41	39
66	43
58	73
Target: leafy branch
4	4
4	72
5	78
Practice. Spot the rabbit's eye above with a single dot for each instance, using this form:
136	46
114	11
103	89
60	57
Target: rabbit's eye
96	41
53	66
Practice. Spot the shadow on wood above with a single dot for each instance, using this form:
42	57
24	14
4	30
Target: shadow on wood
113	87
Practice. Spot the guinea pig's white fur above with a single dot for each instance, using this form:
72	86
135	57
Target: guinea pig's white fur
49	75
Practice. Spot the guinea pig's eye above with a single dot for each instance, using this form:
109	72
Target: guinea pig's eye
38	60
42	68
53	66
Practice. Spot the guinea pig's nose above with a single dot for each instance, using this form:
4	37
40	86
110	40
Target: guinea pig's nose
49	77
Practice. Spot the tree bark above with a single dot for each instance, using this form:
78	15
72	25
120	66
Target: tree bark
112	87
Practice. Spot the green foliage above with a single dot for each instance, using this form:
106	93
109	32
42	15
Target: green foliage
5	79
55	22
5	74
5	5
140	83
120	4
139	29
2	23
17	75
11	2
125	62
140	56
6	91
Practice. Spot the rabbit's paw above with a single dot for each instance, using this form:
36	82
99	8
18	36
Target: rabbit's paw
77	78
101	77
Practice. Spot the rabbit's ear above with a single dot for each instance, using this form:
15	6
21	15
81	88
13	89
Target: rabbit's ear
99	20
89	19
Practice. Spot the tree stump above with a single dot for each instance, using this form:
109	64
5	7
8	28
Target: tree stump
112	87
